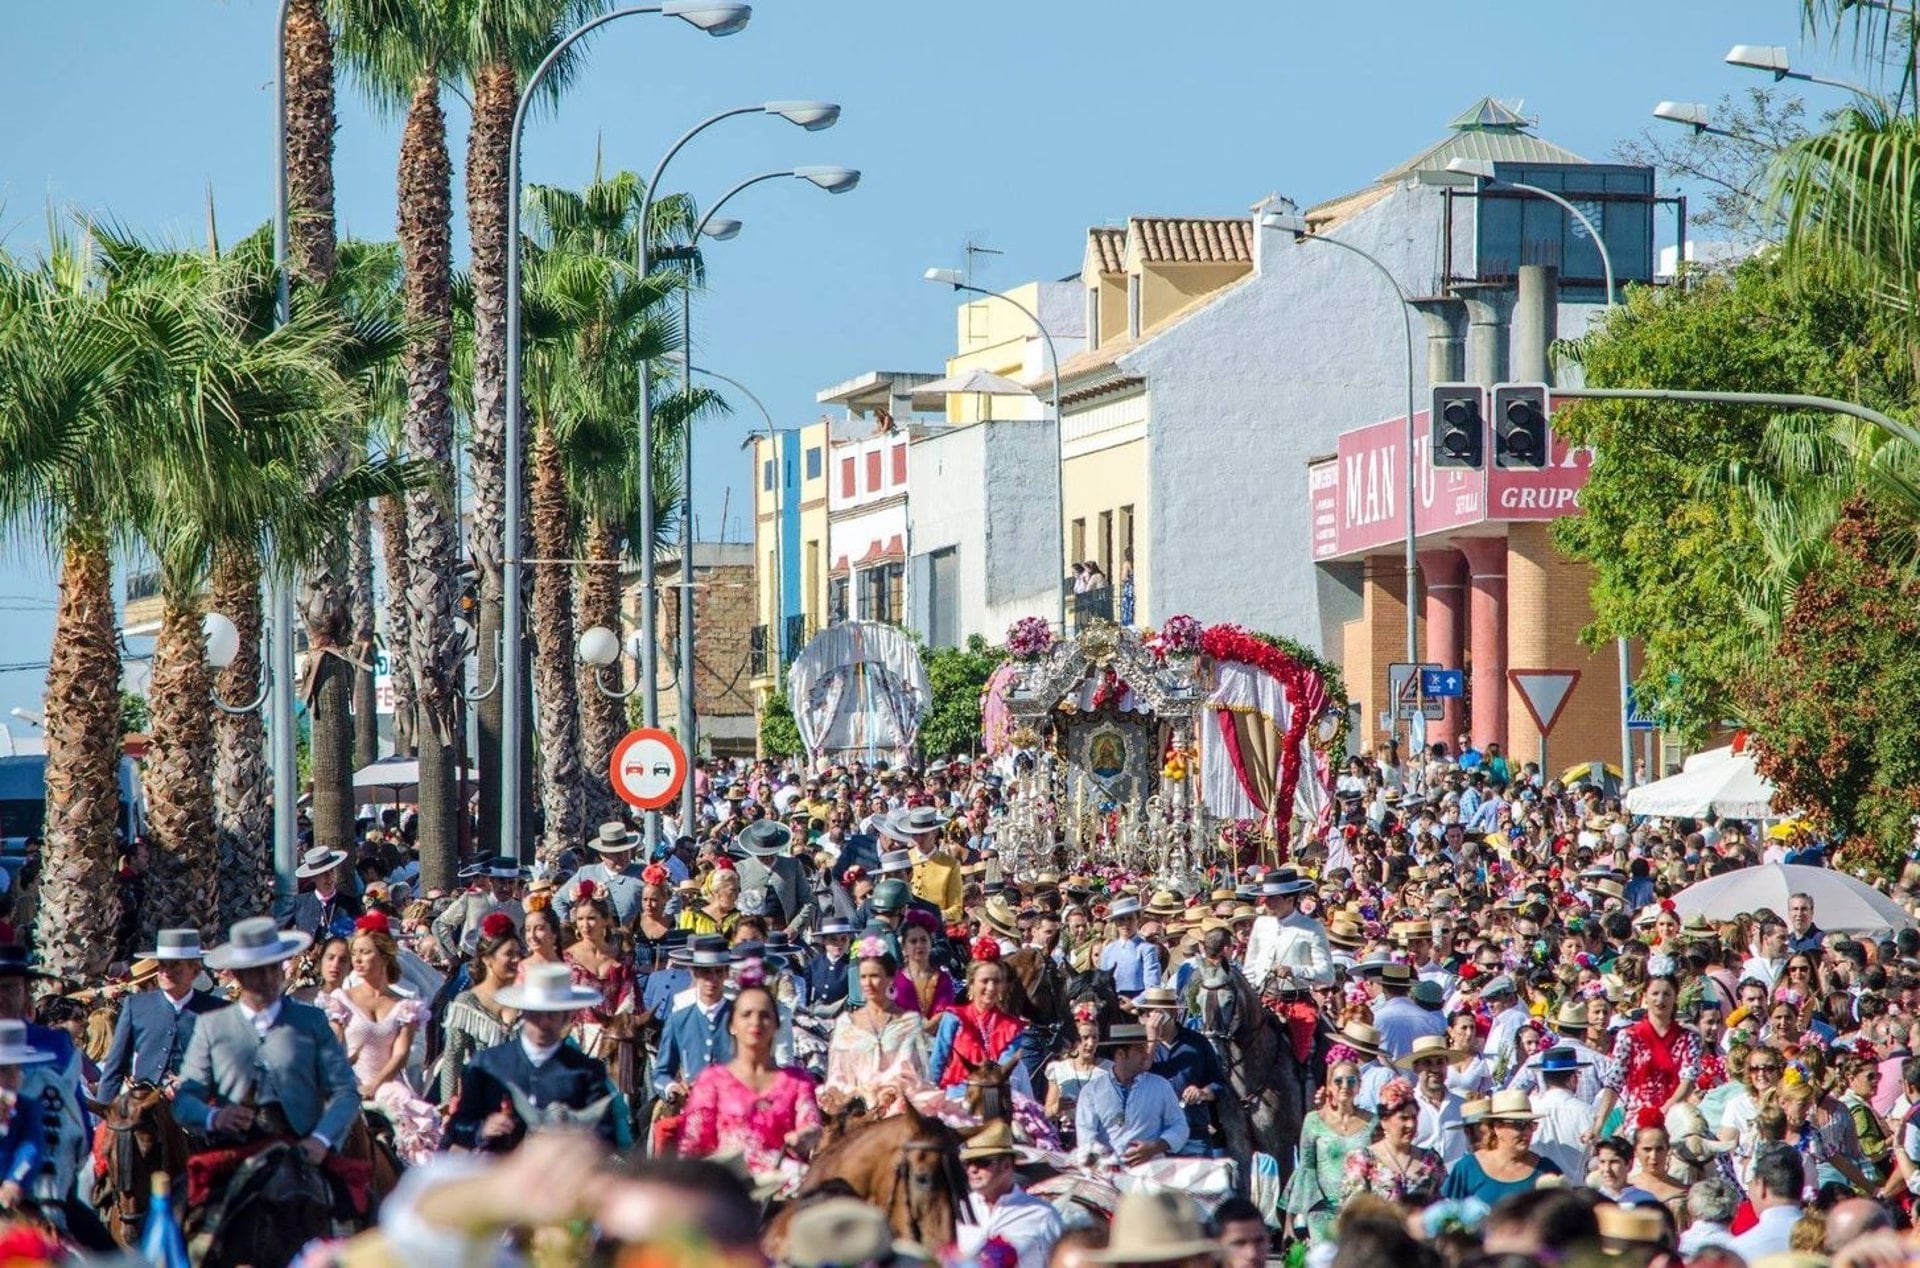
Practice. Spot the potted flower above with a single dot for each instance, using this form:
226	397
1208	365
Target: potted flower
1029	638
1180	636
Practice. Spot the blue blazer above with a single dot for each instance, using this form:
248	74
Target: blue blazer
570	1077
150	1038
21	1150
690	1043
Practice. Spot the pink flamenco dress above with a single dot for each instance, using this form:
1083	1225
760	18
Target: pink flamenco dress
724	1116
416	1124
867	1064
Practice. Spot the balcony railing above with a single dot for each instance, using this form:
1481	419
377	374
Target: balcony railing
793	639
1092	605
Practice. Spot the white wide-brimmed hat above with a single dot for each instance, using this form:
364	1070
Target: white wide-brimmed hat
1123	907
908	826
614	838
548	988
14	1048
174	944
319	860
1151	1228
256	942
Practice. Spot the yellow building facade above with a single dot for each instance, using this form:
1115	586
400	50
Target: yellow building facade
789	546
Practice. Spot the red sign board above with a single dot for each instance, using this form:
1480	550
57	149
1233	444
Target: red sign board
1358	499
648	768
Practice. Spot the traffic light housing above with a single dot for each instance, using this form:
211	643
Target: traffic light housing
1520	426
1459	425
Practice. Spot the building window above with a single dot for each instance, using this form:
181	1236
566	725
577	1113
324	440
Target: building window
899	464
873	471
1077	541
943	598
1106	542
766	475
836	600
814	593
846	477
813	463
1126	533
1133	305
881	591
1093	317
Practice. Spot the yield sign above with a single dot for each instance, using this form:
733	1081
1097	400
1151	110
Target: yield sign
1545	693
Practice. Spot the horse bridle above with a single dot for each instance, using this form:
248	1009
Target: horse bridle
950	1173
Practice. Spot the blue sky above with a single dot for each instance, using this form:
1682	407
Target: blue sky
1015	124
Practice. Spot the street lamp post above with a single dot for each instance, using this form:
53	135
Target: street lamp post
1772	58
835	180
1484	169
1296	224
286	848
813	116
953	278
714	19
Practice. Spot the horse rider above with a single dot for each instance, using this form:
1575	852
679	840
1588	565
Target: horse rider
535	1078
497	888
1288	957
766	864
696	1035
53	1086
1127	1111
1186	1060
826	973
23	1138
151	1035
613	874
329	908
1133	961
936	873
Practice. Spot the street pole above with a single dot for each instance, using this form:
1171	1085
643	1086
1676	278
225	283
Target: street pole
715	19
1059	434
286	846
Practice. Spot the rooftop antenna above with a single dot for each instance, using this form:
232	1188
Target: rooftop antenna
972	247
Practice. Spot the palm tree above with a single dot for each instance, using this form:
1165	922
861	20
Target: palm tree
66	450
400	50
250	408
507	39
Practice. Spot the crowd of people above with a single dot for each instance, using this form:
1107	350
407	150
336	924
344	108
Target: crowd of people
1508	1041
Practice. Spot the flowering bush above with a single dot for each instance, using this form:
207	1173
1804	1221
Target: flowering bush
1030	637
1180	636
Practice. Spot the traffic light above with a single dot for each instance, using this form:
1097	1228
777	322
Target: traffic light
1459	426
1520	426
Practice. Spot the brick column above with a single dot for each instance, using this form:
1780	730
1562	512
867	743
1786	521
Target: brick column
1487	637
1383	634
1548	599
1445	596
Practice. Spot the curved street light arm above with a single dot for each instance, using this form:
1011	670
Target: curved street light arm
266	689
613	693
475	697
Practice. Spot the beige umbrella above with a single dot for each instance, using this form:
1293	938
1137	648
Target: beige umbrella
979	382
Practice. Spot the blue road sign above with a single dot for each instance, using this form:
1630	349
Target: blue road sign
1443	683
1636	719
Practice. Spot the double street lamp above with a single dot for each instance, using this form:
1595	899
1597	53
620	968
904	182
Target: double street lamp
715	19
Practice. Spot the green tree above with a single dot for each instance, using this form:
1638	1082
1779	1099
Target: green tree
1674	552
1854	637
134	714
779	734
958	676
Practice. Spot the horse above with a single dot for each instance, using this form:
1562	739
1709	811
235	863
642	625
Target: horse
270	1208
908	1165
1269	1101
138	1140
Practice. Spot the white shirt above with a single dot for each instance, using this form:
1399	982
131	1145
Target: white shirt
536	1053
1028	1224
1297	942
1556	1137
263	1019
1436	1130
1763	970
1773	1234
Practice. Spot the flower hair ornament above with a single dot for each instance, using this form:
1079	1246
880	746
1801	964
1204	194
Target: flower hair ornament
498	924
1660	966
1086	1012
985	949
538	902
751	972
585	889
373	922
872	947
654	874
1394	1097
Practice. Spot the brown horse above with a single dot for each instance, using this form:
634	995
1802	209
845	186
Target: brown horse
1270	1097
139	1139
907	1165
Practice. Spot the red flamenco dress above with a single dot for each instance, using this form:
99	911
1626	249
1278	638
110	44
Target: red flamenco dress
1649	1067
968	1037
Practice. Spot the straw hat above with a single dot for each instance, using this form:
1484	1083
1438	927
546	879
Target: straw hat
838	1231
1625	1226
1361	1038
1156	997
998	915
1428	1046
1473	1112
1346	931
1152	1228
995	1140
1165	903
1571	1016
1511	1106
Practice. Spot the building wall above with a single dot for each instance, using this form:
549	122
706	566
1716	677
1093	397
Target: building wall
993	335
724	610
1167	288
1106	473
988	493
1548	604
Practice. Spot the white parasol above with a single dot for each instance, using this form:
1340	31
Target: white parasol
1841	903
1719	780
398	776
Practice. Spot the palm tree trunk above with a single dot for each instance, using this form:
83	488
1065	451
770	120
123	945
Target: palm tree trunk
392	513
324	589
556	693
494	96
79	899
243	813
184	890
603	719
366	711
426	207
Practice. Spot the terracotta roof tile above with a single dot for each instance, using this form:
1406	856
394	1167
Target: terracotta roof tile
1191	240
1110	246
